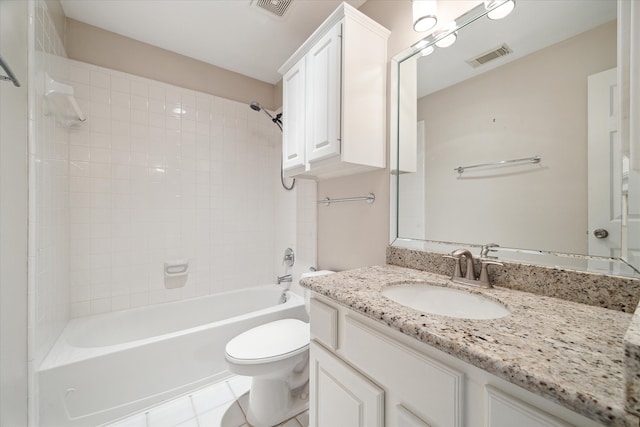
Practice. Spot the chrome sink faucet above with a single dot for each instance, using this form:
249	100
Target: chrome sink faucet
470	274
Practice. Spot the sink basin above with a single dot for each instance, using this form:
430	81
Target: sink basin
445	301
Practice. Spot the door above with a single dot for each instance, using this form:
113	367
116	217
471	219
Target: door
605	166
323	96
340	396
293	108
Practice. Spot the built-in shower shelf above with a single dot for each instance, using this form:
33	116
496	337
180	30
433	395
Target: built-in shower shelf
61	102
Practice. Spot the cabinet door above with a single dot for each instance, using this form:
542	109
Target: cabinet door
323	96
293	109
340	396
407	418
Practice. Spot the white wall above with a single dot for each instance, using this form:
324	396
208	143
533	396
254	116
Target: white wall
13	216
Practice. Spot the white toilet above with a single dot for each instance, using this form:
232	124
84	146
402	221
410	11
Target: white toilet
276	356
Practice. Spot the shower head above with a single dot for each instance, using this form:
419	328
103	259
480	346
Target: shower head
255	106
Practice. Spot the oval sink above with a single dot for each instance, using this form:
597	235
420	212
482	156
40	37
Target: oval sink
445	301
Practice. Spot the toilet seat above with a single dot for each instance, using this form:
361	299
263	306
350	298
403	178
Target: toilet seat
270	342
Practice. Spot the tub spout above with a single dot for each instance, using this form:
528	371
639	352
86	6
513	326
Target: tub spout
286	278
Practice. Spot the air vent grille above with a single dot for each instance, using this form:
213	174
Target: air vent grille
276	7
490	55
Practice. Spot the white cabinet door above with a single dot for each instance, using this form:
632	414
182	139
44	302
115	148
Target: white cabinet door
323	96
340	396
407	418
293	102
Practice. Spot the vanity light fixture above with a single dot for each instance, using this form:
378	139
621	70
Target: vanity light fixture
449	39
498	9
427	51
424	14
419	45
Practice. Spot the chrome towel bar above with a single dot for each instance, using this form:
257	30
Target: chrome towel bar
10	77
534	159
369	198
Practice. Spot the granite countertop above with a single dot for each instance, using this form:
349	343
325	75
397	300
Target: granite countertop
570	353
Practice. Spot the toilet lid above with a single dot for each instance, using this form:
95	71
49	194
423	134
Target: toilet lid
275	341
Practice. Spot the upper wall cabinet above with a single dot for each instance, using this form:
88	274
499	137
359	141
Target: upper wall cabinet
334	99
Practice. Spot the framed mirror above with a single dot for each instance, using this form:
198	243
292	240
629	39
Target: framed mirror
511	135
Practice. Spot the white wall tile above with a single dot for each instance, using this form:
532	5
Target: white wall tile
149	183
100	79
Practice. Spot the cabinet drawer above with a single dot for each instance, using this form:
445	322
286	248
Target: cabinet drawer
506	411
430	389
324	323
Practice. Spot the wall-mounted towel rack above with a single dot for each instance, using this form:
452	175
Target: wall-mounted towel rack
10	77
533	159
61	98
369	198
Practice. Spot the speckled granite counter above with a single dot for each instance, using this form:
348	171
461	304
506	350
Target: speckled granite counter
568	352
632	364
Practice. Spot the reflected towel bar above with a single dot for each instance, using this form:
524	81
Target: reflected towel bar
369	198
534	159
10	77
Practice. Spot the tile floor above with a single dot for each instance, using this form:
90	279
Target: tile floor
219	405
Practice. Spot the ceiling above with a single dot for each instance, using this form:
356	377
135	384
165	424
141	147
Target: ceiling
231	34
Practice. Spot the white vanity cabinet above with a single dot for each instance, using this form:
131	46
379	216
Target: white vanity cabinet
363	372
334	99
350	398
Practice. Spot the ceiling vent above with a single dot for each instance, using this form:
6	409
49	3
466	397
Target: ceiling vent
275	7
490	55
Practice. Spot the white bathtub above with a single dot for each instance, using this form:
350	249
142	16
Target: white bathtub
106	366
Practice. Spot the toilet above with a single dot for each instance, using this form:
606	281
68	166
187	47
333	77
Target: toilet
276	356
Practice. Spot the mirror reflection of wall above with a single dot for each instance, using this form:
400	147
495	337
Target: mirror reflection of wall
532	106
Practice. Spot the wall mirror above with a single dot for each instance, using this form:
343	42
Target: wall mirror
510	136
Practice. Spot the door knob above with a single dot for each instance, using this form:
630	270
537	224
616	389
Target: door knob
600	233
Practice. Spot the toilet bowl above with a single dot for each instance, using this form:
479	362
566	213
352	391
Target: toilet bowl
276	356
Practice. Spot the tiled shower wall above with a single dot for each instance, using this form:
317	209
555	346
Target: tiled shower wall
48	246
158	174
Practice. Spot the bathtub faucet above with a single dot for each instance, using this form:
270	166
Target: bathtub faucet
285	278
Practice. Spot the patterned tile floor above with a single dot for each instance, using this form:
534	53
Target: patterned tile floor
220	405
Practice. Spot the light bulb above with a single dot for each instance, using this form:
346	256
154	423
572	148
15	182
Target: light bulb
448	40
498	9
427	51
424	14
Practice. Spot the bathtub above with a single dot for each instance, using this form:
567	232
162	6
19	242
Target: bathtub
104	367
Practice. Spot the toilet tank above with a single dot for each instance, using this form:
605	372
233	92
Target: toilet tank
307	294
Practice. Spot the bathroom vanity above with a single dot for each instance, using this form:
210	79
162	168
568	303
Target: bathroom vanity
375	362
